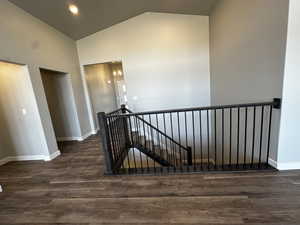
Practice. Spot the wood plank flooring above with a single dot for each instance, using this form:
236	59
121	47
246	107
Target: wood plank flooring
72	190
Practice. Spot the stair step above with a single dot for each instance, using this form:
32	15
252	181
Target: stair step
153	155
155	151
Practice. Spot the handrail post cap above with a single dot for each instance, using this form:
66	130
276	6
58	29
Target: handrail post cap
277	103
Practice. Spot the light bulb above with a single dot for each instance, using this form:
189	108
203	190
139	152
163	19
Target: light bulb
73	9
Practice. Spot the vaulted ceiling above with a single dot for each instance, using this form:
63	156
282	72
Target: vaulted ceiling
96	15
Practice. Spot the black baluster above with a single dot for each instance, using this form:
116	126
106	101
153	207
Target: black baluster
173	149
115	139
186	134
269	135
245	139
222	138
139	141
261	135
134	141
152	142
208	142
194	144
145	140
114	154
166	142
201	143
238	139
179	139
230	136
158	139
131	144
215	112
253	138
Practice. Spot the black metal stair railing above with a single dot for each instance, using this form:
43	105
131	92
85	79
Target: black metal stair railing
216	138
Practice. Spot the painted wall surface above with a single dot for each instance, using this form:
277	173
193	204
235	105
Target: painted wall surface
19	135
25	39
288	152
101	88
60	99
165	59
247	50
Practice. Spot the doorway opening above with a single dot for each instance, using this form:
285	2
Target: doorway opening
106	87
61	104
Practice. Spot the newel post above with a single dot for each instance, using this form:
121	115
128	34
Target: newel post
105	142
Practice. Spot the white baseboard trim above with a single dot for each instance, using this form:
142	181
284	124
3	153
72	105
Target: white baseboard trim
82	138
67	138
25	158
95	131
285	166
4	161
85	136
288	166
30	158
52	156
273	163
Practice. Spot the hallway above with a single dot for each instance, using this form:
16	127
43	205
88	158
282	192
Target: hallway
72	190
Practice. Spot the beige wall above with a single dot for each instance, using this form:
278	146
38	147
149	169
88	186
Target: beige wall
25	39
101	92
60	99
20	134
247	50
165	59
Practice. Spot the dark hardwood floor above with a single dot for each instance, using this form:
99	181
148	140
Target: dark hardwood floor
72	190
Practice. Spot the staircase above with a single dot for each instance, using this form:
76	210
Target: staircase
150	149
217	138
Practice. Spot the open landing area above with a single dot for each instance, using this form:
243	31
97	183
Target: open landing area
72	190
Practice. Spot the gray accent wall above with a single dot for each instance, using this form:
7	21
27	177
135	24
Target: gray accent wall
247	52
27	40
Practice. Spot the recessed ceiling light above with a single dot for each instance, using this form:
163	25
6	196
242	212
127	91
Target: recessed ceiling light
73	9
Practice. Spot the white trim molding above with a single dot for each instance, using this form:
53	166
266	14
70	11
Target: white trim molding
68	138
95	131
4	161
45	158
273	163
284	166
288	166
52	156
82	138
85	136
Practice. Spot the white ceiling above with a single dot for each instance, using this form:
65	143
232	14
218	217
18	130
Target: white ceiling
95	15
